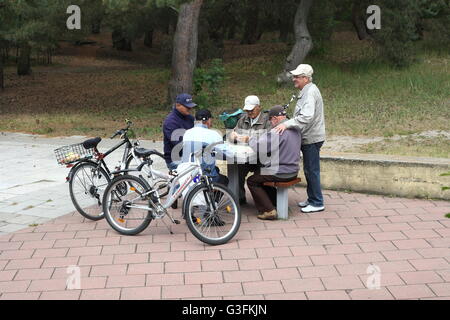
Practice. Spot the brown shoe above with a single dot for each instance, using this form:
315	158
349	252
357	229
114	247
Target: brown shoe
271	215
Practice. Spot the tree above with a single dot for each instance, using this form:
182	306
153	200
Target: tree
303	42
184	57
251	16
2	41
398	31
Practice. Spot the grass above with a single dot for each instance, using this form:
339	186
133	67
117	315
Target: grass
362	96
438	147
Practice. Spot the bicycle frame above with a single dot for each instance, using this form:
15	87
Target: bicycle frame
194	169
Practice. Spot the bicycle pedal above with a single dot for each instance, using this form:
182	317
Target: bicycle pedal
176	221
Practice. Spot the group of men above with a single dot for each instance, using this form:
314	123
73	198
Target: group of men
280	138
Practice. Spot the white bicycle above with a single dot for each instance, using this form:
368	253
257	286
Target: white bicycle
210	209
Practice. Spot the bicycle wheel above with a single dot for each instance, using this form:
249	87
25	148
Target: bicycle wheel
159	184
86	189
213	227
119	205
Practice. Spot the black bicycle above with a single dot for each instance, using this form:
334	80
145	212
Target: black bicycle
89	174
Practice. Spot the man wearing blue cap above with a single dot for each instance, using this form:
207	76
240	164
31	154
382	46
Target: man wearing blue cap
174	127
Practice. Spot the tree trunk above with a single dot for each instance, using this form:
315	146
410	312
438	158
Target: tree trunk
251	28
303	42
23	63
148	39
2	86
96	26
120	42
185	45
358	20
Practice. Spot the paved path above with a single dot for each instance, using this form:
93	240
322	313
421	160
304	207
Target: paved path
335	254
32	185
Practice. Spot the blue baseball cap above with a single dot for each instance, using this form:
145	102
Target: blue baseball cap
186	100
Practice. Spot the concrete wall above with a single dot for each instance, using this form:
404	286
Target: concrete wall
388	175
382	174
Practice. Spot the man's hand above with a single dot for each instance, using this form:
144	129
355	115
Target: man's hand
244	139
280	129
233	136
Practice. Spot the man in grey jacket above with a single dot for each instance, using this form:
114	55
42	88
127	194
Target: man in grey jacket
279	156
309	120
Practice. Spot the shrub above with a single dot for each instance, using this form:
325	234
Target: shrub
207	83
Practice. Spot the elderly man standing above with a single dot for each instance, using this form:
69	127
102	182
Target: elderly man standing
174	127
254	123
310	121
280	166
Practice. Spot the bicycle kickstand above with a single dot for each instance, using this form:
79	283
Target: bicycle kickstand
174	221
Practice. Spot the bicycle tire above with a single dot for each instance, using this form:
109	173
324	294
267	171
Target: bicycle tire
134	182
93	212
196	228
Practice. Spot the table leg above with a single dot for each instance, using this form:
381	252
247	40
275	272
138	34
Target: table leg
233	177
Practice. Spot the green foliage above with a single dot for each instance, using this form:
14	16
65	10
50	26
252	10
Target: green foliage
445	175
207	83
399	21
321	22
437	21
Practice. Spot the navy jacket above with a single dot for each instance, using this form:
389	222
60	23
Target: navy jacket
175	120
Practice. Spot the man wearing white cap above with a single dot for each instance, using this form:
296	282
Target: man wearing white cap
309	120
253	123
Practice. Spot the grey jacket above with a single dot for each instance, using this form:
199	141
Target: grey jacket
279	155
244	127
309	115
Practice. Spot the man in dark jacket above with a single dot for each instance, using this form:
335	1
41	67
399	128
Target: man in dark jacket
174	127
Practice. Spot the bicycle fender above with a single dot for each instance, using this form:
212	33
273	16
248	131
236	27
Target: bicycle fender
184	206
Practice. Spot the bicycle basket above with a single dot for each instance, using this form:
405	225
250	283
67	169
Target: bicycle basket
231	120
72	153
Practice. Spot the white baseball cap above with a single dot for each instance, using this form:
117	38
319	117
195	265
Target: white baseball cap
251	102
303	70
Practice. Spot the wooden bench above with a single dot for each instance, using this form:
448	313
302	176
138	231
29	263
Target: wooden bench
282	196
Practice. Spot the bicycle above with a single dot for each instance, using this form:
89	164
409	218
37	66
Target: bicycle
210	209
89	174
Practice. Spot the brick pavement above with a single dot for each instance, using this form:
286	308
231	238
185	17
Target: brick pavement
334	254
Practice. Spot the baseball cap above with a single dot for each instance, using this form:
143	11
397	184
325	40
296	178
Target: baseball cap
303	70
186	100
251	102
203	115
277	111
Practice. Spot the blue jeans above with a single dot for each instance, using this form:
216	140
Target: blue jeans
172	166
311	167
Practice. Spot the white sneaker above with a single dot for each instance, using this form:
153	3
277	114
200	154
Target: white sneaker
312	209
303	204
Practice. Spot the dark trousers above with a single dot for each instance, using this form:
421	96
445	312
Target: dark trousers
311	167
221	179
263	196
244	169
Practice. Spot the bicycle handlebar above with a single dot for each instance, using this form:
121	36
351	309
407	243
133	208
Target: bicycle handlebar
292	99
122	131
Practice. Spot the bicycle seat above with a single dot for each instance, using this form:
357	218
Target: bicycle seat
144	153
92	143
